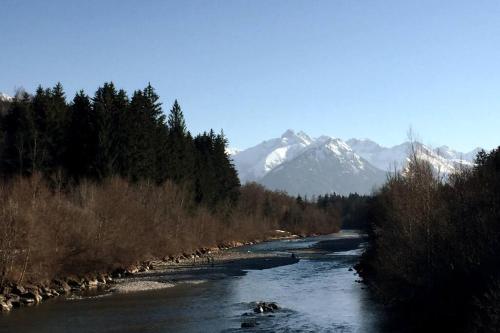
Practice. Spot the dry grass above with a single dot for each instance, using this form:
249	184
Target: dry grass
47	232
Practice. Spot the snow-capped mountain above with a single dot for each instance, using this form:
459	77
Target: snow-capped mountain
254	163
324	166
232	151
444	159
5	97
299	164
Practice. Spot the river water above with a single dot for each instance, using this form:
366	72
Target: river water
317	294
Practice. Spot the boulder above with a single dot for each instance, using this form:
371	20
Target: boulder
18	289
263	307
92	283
120	272
14	300
5	305
132	270
28	301
75	283
32	295
62	287
101	278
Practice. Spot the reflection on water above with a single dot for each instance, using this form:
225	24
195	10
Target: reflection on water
318	294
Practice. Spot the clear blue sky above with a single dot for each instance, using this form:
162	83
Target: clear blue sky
345	68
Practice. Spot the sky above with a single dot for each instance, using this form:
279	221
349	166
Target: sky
343	68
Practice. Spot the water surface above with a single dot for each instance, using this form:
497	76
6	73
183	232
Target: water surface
317	294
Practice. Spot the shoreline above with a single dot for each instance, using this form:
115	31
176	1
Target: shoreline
167	275
210	263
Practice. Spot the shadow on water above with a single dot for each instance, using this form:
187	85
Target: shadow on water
317	294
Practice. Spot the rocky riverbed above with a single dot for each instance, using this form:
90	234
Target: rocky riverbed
196	267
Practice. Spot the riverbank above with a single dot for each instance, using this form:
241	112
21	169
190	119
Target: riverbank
198	270
319	293
201	265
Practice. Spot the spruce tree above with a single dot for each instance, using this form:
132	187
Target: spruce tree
82	138
181	157
20	137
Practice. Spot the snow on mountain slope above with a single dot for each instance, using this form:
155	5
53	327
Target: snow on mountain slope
253	163
326	166
232	151
443	159
298	163
5	97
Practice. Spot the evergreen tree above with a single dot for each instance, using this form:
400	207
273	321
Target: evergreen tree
50	117
147	122
20	137
181	158
110	135
112	129
82	138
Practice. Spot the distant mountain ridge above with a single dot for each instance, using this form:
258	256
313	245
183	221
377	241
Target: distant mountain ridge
5	97
300	164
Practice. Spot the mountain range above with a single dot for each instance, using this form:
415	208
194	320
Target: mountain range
299	164
5	97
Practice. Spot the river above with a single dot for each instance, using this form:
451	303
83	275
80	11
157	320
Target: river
317	294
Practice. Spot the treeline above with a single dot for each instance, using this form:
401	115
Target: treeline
434	256
48	232
107	181
111	134
351	210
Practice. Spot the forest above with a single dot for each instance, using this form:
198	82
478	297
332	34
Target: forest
109	180
433	256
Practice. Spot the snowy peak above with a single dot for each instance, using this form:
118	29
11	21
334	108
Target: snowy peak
5	98
298	163
290	137
232	151
443	159
253	163
325	166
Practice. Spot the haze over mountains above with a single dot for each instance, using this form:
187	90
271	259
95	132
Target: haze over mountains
300	164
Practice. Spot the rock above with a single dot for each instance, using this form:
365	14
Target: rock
263	307
120	272
75	283
32	295
18	289
273	306
28	301
32	287
61	286
14	299
350	269
132	270
92	283
5	305
258	309
101	278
